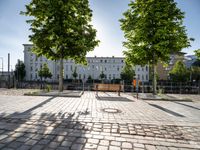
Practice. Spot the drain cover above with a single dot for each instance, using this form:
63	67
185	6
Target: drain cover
111	110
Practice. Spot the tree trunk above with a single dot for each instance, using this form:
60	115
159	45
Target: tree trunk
61	76
154	80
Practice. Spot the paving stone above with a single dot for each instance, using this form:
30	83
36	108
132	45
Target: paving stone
31	142
104	142
24	147
53	144
150	147
90	146
66	143
94	141
81	140
114	148
126	145
138	145
77	146
102	148
15	144
37	147
114	143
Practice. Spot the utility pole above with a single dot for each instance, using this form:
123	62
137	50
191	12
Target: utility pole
8	70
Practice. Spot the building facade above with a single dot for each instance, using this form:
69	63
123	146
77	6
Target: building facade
111	67
164	70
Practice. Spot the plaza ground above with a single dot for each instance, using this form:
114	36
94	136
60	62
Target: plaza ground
104	122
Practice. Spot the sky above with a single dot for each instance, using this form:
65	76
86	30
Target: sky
14	30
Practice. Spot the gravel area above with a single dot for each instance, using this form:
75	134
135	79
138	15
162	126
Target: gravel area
16	92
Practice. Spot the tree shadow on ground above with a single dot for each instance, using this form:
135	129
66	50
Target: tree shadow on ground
45	131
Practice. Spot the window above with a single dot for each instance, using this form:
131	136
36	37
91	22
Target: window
147	78
71	68
122	61
101	60
105	69
57	76
117	68
79	76
142	77
31	68
146	68
105	61
138	69
110	76
142	69
36	76
92	66
66	68
31	76
138	77
113	76
66	76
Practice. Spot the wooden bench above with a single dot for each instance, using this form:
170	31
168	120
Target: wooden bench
107	87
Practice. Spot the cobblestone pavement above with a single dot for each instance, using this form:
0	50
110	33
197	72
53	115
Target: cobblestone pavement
104	122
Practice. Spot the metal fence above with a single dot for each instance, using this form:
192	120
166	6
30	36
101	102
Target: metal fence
162	86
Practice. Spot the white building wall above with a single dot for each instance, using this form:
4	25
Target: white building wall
111	66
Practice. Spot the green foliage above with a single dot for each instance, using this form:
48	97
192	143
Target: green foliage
102	75
61	29
195	71
179	72
153	29
197	53
89	77
20	70
44	72
48	88
127	73
74	74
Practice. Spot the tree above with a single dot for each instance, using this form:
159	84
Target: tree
74	74
44	72
153	29
179	72
127	73
195	71
102	76
61	29
197	53
20	70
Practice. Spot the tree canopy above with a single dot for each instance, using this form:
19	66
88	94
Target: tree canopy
20	71
102	75
44	72
74	74
61	29
153	29
127	73
179	72
197	53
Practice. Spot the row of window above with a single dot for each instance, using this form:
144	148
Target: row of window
143	68
141	77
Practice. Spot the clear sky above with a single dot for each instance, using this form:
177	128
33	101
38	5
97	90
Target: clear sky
14	30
